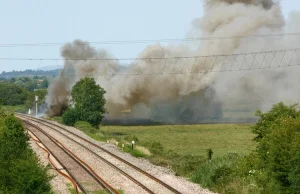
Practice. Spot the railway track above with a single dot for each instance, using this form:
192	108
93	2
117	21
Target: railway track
110	158
81	173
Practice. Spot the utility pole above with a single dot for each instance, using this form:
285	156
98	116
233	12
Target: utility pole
36	105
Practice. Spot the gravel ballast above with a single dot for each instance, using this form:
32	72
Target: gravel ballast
58	183
116	179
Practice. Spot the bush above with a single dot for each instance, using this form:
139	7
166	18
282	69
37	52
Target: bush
210	174
274	165
183	164
156	148
221	174
266	120
294	176
20	170
70	117
94	118
13	141
277	152
85	126
26	175
134	152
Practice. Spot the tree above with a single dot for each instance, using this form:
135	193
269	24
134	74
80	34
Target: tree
294	176
20	170
278	137
262	127
13	139
88	101
30	101
44	83
12	94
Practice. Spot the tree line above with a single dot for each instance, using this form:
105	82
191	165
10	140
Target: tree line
21	91
29	73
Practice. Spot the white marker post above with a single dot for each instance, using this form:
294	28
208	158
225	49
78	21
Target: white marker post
29	111
122	146
132	143
36	105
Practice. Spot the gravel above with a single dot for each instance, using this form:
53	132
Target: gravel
118	180
110	175
58	183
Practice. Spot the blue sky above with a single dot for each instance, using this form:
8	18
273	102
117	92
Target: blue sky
34	21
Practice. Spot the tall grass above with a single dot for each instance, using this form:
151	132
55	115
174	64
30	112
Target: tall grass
226	175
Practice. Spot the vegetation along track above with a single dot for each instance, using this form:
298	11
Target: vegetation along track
85	177
163	187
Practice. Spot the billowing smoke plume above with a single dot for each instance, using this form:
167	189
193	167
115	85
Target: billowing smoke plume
182	96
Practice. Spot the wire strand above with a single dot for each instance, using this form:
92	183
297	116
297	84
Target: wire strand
45	44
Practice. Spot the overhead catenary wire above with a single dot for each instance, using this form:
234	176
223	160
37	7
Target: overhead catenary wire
180	65
111	42
209	64
144	58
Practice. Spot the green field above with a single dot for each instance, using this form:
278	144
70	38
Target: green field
192	139
18	108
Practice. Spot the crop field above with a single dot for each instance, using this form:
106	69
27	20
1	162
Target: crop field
191	139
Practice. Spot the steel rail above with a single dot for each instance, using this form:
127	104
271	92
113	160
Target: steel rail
42	121
75	186
64	167
86	167
103	159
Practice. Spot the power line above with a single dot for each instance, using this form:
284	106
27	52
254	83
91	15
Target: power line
181	65
194	65
111	42
145	58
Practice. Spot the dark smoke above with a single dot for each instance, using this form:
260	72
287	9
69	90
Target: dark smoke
184	98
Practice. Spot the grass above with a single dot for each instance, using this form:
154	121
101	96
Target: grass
134	152
184	139
18	108
226	175
57	119
191	139
183	148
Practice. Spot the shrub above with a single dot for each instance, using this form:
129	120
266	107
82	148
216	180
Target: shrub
294	176
20	170
85	126
266	120
156	148
13	141
134	152
210	174
278	141
26	175
183	164
221	174
70	117
94	118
